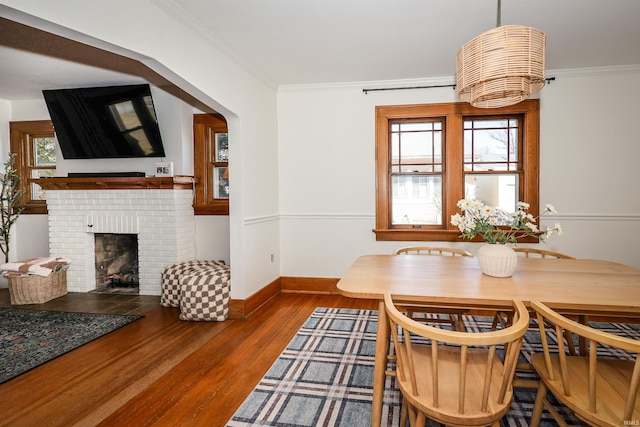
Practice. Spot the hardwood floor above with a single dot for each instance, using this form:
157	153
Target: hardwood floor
158	370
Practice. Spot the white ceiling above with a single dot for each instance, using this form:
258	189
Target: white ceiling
294	42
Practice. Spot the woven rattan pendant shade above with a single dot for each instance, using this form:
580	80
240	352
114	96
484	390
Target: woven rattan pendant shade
501	67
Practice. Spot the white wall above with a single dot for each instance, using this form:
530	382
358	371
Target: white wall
156	38
589	152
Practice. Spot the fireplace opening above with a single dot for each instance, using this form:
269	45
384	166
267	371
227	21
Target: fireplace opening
116	258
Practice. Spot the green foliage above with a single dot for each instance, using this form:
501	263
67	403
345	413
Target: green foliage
45	151
10	210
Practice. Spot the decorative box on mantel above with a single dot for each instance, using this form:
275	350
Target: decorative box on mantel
159	210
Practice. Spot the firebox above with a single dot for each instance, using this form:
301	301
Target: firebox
116	263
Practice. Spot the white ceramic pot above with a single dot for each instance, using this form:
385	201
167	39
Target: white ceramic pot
497	260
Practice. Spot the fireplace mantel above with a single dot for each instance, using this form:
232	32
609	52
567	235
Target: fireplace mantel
116	183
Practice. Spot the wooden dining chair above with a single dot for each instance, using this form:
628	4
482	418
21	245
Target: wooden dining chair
601	391
453	316
540	253
429	250
452	377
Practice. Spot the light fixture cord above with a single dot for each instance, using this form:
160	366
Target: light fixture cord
498	20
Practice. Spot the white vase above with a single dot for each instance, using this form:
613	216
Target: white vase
497	260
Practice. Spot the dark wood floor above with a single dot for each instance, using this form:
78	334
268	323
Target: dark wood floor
157	371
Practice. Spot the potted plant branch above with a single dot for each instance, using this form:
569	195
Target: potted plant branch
10	209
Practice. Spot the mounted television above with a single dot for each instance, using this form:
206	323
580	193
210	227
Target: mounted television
105	122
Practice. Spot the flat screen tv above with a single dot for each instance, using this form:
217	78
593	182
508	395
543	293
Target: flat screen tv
105	122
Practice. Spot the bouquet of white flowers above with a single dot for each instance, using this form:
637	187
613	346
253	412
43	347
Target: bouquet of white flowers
497	226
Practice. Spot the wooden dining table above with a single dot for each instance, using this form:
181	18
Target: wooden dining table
571	286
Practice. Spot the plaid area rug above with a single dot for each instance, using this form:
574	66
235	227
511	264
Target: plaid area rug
29	338
325	376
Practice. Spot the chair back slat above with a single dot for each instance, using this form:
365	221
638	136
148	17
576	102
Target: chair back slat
487	378
411	366
545	347
564	374
593	370
434	373
513	350
396	344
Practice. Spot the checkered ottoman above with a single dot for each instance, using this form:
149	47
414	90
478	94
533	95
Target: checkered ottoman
205	294
170	296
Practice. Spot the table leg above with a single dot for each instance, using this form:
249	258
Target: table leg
382	341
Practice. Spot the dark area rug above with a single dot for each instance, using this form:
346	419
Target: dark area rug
29	338
325	376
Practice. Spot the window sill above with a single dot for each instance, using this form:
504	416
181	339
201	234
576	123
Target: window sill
40	209
218	209
403	234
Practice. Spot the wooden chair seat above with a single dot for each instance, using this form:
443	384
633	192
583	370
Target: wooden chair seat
447	410
610	381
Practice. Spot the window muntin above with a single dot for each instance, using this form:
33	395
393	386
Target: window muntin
511	170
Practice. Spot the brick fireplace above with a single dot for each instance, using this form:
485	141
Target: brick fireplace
158	210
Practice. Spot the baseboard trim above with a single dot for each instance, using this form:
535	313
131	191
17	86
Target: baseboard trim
309	285
241	308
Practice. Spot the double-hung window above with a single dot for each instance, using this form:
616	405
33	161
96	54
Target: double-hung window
211	164
430	156
34	144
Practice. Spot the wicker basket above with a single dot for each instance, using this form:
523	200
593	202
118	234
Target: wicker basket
30	289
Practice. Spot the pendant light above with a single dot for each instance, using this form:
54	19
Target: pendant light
502	66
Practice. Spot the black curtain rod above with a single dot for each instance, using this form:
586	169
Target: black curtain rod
549	80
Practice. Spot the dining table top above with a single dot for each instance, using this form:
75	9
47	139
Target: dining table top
572	285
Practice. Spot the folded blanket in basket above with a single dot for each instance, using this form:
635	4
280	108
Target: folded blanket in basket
38	266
